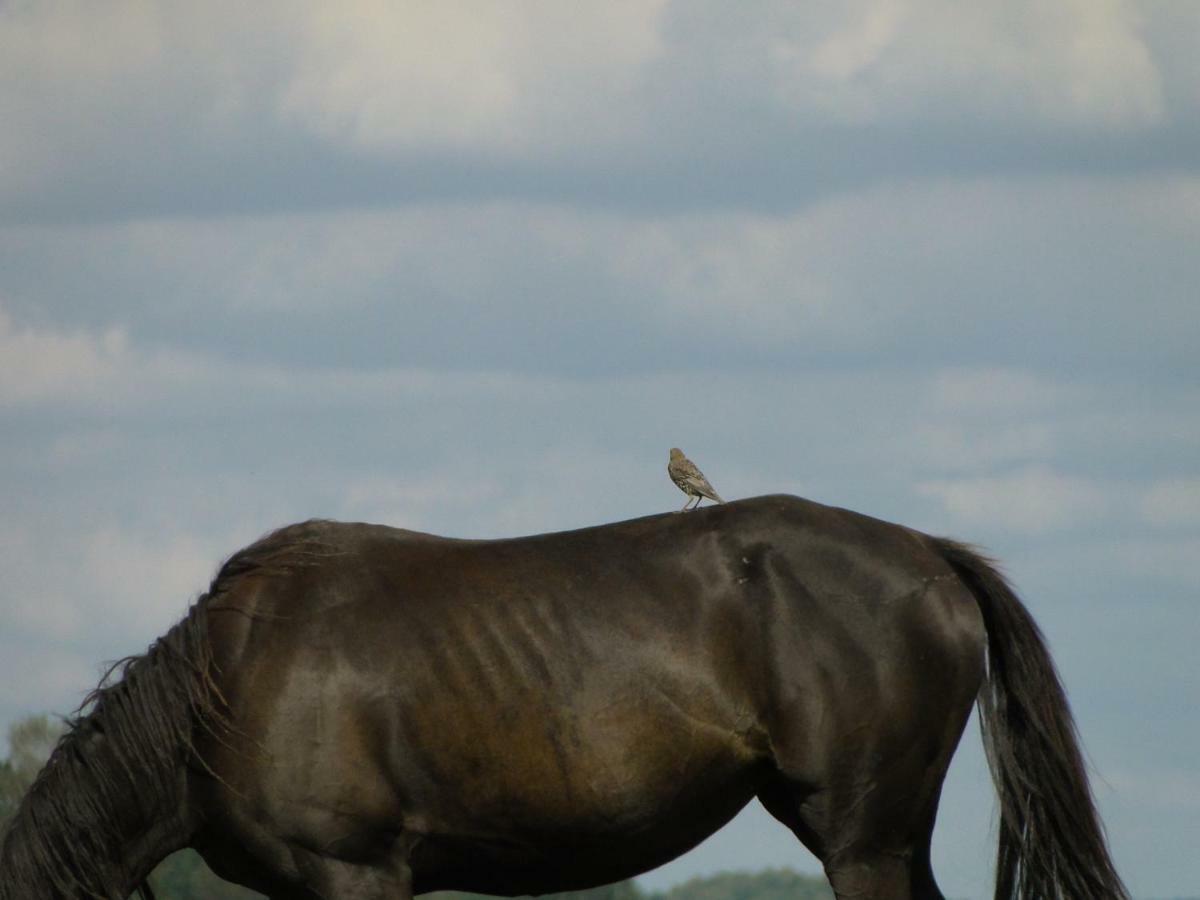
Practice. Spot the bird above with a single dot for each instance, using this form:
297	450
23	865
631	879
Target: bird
689	479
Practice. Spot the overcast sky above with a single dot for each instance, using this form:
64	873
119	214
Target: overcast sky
473	267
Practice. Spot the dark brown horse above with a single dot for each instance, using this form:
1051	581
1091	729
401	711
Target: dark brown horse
355	711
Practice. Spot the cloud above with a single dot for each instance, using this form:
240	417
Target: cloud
860	44
86	446
97	369
1032	500
145	578
954	446
35	598
63	678
991	392
1172	502
959	422
142	108
1076	63
568	481
118	579
430	77
416	501
65	67
104	371
910	271
37	365
1168	27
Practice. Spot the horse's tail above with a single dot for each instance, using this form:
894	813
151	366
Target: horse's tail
1052	843
119	767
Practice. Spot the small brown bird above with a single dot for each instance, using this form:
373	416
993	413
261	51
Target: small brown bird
690	479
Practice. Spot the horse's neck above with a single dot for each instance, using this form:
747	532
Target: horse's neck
88	825
153	823
151	844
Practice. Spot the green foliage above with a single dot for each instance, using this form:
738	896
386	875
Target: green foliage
184	876
10	791
623	890
773	884
29	744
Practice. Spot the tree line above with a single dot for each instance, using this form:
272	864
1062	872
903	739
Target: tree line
184	876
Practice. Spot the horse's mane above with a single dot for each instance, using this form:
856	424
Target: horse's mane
65	834
146	713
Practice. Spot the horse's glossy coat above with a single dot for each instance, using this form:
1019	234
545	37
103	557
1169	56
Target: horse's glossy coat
401	713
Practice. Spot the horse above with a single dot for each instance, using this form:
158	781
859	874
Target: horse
364	712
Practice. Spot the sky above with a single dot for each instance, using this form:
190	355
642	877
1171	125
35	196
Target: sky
473	267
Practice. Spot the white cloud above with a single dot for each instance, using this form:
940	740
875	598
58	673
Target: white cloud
565	482
35	598
99	369
1114	78
70	67
860	44
746	278
437	75
86	446
132	98
406	76
1170	27
413	502
1033	500
1172	502
40	364
103	370
981	445
1072	63
36	678
80	582
143	578
991	392
911	269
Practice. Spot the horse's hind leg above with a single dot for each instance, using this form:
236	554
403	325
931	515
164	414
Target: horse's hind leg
865	858
346	881
881	877
329	878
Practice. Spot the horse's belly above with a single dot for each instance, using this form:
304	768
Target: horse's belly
551	804
546	843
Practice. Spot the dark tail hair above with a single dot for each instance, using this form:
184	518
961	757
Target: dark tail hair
119	762
1052	844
